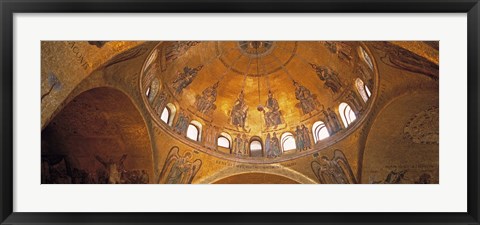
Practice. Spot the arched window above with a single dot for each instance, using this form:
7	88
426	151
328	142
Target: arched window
194	130
366	58
147	93
288	142
168	114
347	114
367	90
256	148
152	90
151	58
165	115
363	89
224	140
320	131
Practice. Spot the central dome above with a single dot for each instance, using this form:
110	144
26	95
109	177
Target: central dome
259	89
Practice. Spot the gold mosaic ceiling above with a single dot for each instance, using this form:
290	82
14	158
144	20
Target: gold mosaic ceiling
211	80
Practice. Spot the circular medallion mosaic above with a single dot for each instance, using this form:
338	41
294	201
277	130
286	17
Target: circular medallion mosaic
256	48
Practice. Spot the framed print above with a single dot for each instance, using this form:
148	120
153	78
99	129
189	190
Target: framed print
353	112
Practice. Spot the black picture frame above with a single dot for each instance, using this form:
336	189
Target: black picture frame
9	7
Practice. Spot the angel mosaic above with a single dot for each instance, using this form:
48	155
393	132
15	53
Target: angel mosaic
185	78
179	169
403	59
333	171
174	50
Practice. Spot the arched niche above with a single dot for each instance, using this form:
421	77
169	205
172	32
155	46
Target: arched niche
404	139
100	124
224	142
256	147
256	178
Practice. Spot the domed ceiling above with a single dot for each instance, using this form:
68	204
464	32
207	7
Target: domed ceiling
256	88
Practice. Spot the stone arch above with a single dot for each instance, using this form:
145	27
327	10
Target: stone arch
284	172
256	178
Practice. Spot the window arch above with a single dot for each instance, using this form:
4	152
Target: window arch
347	114
364	55
165	115
363	89
152	90
256	147
288	142
320	131
147	93
224	140
194	130
367	90
151	58
168	114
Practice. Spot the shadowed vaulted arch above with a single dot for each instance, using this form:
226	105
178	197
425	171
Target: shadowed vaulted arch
99	123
